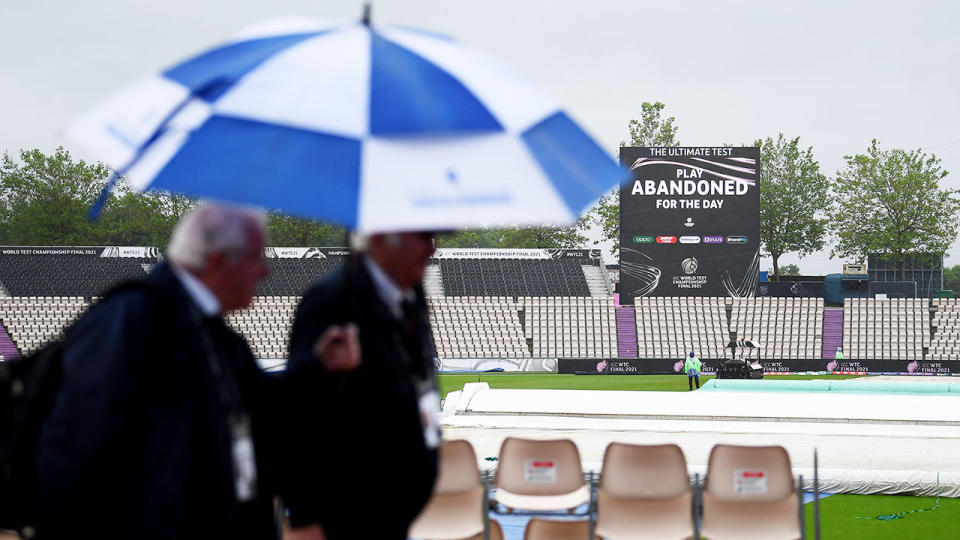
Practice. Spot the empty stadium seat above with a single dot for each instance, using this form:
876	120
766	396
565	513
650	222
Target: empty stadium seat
68	275
644	493
750	493
496	532
570	327
292	277
31	322
945	342
670	327
455	509
465	328
540	475
266	324
549	529
513	277
886	329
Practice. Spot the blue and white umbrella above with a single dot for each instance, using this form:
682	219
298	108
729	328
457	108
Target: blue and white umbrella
374	128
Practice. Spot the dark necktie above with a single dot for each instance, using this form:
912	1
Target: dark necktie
409	334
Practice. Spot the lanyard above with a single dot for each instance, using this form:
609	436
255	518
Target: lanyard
238	422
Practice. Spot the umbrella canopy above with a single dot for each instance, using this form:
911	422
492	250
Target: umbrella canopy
374	128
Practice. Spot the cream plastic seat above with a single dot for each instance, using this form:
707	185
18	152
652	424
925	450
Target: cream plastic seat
496	533
456	508
540	475
644	492
750	493
545	529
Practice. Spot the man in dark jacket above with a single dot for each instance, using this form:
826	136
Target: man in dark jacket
367	466
163	424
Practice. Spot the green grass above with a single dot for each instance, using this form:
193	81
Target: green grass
661	383
839	517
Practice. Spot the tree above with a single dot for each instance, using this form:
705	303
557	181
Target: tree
470	238
790	270
951	278
890	202
650	130
794	199
135	219
518	237
285	230
44	200
546	237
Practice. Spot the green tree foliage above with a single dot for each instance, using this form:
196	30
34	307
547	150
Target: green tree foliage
891	202
951	278
519	237
284	230
650	130
546	237
790	270
135	219
794	199
44	199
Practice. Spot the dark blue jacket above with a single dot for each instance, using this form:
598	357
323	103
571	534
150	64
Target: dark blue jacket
137	445
362	467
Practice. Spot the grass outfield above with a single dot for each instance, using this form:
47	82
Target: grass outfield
452	382
839	517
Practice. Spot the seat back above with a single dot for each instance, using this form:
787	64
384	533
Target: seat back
545	529
644	471
455	510
539	468
496	532
754	473
644	493
749	494
458	469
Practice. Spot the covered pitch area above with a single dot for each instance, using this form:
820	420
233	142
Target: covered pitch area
874	435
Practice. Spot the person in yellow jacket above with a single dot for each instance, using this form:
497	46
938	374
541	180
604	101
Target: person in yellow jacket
692	367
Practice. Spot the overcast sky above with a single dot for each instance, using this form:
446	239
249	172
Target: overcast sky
836	74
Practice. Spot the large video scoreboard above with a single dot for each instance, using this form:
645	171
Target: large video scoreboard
689	222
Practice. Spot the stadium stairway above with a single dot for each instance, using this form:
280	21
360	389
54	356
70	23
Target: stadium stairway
7	348
832	331
433	281
626	333
595	281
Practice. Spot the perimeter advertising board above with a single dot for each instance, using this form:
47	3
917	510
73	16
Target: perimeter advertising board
665	366
689	222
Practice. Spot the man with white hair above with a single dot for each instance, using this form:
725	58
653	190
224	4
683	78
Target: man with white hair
163	423
367	461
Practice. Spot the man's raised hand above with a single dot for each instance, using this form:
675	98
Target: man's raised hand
338	348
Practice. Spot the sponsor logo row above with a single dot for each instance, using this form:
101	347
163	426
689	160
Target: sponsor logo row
645	239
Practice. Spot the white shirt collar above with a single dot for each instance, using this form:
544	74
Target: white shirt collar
201	295
388	291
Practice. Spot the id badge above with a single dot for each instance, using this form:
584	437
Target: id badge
244	459
429	403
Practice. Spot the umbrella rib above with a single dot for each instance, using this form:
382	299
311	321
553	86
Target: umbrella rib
141	149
